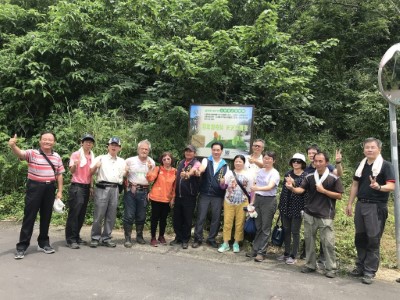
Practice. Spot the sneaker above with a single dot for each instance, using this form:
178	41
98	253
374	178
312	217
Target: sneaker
259	258
20	254
251	254
162	240
306	269
283	257
330	274
356	272
224	247
73	245
291	261
108	244
46	249
185	245
367	279
154	242
94	243
236	248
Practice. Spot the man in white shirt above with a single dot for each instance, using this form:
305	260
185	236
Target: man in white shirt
135	198
254	161
110	171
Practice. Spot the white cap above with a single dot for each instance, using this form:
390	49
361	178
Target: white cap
58	206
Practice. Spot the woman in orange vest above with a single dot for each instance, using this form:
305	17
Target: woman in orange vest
162	196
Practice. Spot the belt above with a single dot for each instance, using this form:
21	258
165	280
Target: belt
41	182
104	185
139	187
362	200
86	186
265	196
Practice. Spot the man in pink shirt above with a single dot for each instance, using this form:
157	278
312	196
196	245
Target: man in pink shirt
45	178
79	191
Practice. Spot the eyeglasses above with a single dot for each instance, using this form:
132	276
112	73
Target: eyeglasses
258	146
297	161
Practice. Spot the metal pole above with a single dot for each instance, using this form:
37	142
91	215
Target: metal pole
395	162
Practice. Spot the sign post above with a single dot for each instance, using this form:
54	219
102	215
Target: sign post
389	87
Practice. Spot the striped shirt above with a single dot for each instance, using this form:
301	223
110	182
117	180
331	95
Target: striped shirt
38	167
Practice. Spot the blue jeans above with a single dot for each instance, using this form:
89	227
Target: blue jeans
135	207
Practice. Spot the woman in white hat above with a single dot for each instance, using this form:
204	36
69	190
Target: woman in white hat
291	206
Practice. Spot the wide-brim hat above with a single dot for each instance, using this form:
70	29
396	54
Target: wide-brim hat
297	156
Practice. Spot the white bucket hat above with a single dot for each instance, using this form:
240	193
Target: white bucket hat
58	206
297	156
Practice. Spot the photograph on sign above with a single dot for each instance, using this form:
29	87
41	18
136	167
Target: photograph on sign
228	124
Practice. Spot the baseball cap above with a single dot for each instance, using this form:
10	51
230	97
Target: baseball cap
114	140
191	148
87	136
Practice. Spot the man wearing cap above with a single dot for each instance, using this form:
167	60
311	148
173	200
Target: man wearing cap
45	170
79	191
213	169
110	171
135	198
187	188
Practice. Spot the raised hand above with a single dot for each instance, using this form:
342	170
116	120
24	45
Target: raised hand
289	180
149	165
13	141
338	156
78	160
374	185
98	164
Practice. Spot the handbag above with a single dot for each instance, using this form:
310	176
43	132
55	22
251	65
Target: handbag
250	229
278	233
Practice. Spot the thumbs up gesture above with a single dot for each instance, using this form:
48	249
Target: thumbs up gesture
13	141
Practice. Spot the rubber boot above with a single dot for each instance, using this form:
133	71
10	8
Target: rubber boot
128	233
139	234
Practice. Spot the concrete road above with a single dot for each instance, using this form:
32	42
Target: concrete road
165	272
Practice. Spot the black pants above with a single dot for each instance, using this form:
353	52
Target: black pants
159	214
77	203
369	220
183	217
39	198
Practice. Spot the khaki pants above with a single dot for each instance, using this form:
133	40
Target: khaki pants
327	236
234	212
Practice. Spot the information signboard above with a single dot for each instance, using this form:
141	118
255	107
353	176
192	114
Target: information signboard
230	125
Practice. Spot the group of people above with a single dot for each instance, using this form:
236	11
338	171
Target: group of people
309	193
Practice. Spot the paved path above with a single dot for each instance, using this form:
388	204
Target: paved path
165	272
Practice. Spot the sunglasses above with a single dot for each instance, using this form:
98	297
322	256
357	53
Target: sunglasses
258	146
297	161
